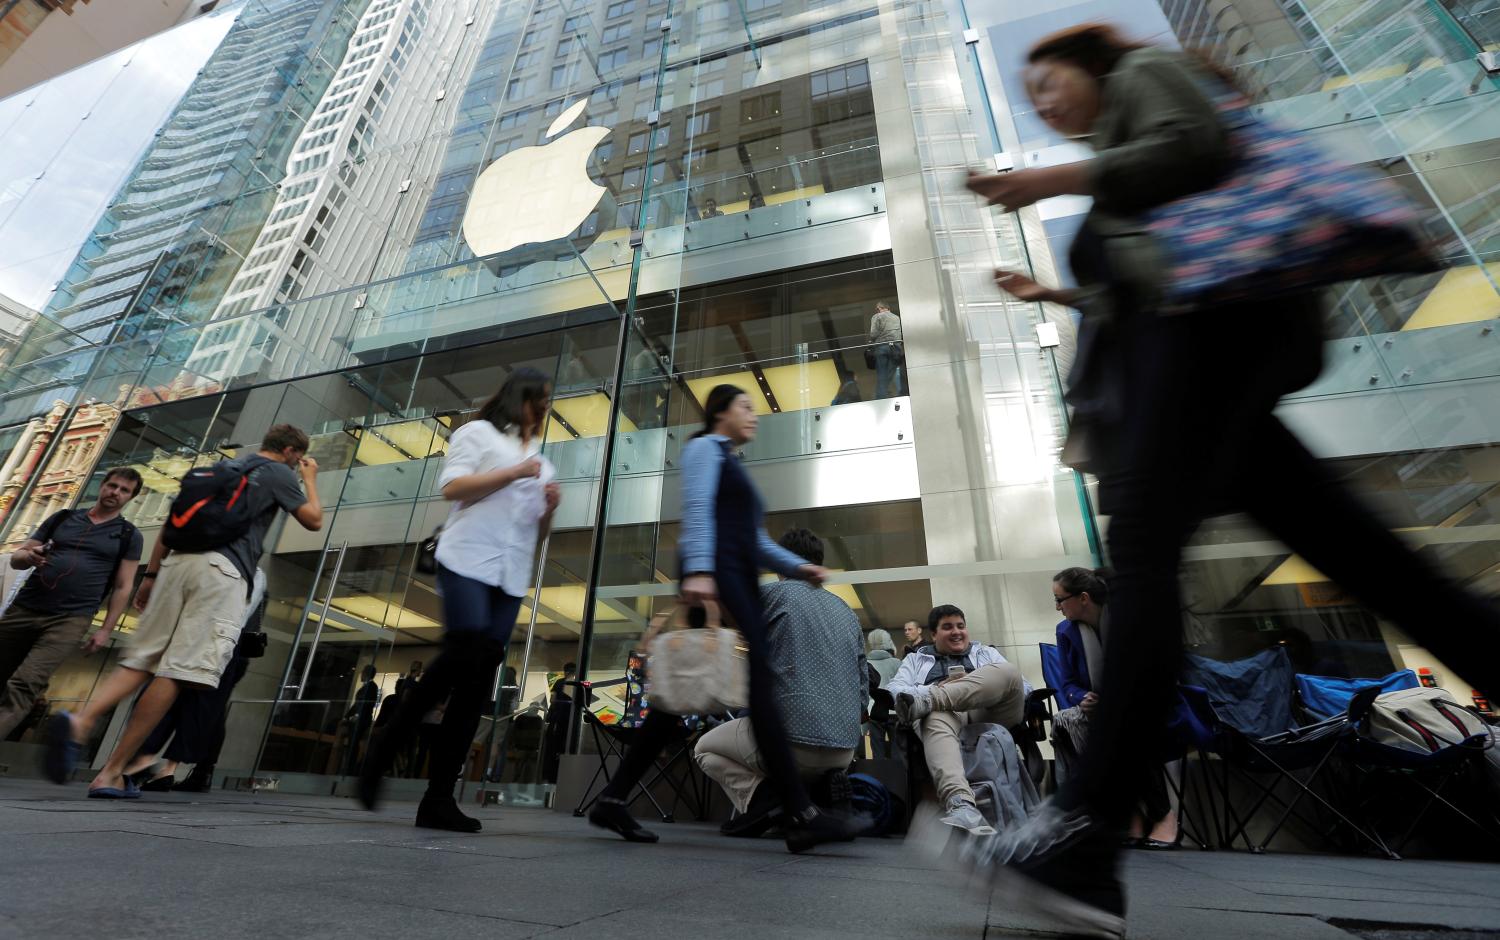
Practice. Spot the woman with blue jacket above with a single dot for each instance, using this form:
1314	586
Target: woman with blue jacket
722	548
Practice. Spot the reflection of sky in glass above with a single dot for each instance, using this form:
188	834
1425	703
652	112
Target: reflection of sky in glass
1024	24
69	143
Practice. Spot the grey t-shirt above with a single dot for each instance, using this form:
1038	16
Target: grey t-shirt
272	486
76	577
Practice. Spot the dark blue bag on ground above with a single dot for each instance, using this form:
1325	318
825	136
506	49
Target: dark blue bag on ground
869	796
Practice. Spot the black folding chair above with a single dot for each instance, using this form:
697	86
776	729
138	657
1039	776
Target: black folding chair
1295	759
1387	781
674	767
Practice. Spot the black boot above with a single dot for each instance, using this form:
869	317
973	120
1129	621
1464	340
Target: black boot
613	815
763	812
442	812
813	827
200	780
381	755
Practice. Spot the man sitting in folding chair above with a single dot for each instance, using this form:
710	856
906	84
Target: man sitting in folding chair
817	654
1080	595
943	687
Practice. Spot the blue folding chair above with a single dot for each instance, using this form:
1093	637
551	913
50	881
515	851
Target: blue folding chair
1247	704
1324	697
1052	671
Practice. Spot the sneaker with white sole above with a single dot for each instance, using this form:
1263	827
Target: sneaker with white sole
1057	865
963	814
912	707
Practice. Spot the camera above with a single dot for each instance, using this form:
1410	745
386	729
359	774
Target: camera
251	645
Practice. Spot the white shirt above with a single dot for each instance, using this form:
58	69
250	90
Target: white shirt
493	540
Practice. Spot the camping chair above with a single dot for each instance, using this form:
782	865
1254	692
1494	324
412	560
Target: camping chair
1242	703
613	739
1324	697
1376	770
1175	744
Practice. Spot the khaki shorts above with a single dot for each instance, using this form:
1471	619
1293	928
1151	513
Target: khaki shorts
188	630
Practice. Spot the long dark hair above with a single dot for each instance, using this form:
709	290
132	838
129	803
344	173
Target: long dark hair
506	409
719	400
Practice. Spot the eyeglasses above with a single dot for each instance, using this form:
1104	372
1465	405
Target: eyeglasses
1058	601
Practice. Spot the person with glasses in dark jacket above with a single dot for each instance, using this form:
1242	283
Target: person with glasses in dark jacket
721	550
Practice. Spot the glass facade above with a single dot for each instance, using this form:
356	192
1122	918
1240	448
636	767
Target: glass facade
360	216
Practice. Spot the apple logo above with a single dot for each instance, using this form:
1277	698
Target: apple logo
535	194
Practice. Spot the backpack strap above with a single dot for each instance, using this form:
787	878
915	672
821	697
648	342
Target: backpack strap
49	527
127	535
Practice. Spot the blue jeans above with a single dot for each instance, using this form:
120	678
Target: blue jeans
474	607
478	621
887	370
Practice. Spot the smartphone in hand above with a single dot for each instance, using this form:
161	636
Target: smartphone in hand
957	672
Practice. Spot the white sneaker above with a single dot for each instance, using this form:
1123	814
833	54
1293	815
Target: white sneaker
912	707
963	814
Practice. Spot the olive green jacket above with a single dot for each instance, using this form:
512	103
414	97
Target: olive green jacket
1157	138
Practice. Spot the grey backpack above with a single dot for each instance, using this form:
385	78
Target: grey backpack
1002	788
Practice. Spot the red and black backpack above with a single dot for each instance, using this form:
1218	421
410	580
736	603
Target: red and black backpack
211	509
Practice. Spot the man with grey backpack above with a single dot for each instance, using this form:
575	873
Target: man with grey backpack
944	687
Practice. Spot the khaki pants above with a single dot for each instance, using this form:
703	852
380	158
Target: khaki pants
729	757
32	646
189	629
991	694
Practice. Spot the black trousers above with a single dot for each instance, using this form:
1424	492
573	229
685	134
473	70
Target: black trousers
194	725
739	594
1197	434
463	674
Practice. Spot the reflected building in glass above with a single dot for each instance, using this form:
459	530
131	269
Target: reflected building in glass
364	215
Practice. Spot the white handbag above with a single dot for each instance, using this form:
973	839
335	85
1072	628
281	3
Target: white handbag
695	671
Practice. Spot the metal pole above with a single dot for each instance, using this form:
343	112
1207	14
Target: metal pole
312	650
601	522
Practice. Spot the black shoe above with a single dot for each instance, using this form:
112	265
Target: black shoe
442	812
815	827
614	816
372	773
162	784
840	793
763	812
1061	865
201	780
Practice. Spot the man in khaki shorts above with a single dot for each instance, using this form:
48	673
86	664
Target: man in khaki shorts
191	619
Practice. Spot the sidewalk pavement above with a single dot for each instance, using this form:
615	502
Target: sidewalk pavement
241	865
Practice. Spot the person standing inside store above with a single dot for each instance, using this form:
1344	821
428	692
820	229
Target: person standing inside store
1181	411
503	495
885	338
721	549
191	621
360	715
915	638
78	559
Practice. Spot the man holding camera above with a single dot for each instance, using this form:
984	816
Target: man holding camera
78	559
949	684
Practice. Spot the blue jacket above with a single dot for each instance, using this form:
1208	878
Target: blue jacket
1076	682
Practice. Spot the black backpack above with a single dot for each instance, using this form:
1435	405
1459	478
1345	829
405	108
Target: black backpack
210	509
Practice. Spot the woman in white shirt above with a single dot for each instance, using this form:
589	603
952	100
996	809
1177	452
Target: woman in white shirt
503	498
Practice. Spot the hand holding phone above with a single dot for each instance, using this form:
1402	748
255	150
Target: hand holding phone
957	672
